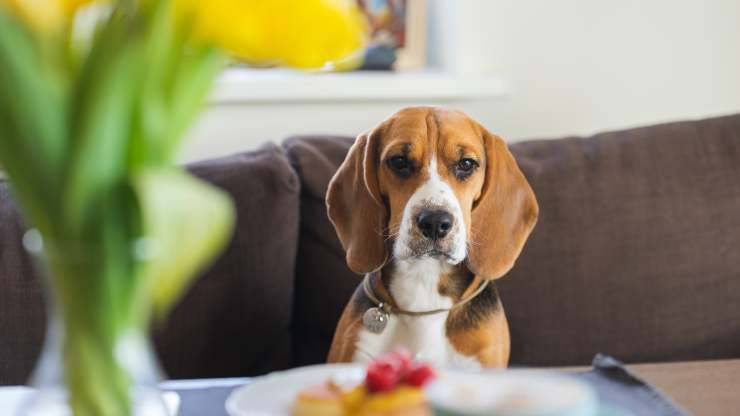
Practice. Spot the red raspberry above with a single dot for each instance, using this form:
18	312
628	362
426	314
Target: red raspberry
381	376
420	374
401	360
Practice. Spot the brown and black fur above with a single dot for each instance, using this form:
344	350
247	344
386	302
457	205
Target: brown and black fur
365	202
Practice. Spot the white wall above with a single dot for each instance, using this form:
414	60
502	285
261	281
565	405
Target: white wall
231	128
572	67
580	66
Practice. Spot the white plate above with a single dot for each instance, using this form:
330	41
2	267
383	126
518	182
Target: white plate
511	392
274	394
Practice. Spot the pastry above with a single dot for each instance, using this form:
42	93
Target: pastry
392	387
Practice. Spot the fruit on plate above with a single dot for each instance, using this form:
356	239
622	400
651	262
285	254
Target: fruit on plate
392	387
321	400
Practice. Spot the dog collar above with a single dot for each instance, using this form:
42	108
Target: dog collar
375	319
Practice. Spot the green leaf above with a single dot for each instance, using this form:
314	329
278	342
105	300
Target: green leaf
161	52
192	83
102	119
186	223
175	84
32	124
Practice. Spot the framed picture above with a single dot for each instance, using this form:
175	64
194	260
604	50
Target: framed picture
398	34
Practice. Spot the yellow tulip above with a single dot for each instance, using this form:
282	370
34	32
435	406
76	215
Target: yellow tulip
44	15
299	33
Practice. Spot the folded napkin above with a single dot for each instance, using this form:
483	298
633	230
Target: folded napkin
618	388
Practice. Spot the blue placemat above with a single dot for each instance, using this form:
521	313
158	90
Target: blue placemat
620	393
204	402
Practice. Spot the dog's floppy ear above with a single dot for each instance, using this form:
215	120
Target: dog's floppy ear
356	208
503	215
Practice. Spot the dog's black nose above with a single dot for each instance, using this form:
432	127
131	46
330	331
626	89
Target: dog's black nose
434	224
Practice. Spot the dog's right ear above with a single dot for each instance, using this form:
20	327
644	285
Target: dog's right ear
356	208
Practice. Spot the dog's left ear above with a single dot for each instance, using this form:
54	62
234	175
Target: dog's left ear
503	215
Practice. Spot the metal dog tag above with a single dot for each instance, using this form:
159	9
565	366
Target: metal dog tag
376	319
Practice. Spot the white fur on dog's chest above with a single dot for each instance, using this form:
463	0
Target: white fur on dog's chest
414	287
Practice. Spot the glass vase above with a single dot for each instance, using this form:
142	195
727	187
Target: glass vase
96	360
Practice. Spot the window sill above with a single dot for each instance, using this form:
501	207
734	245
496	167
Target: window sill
245	86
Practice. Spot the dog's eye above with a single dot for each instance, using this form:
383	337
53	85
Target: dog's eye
401	165
465	167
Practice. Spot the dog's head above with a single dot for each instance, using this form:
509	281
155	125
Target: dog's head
431	182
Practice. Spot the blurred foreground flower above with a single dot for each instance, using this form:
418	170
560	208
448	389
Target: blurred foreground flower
44	15
300	33
90	129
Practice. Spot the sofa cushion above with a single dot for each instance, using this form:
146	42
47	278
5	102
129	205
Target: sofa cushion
324	283
234	321
635	252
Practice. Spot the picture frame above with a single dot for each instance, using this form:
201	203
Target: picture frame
398	34
413	54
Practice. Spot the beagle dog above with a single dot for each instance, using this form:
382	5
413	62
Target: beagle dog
432	208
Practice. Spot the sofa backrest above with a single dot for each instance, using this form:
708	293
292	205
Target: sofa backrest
636	252
22	312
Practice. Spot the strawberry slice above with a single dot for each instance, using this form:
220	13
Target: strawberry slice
381	376
419	375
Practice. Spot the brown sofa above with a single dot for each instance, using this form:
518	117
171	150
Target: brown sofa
636	254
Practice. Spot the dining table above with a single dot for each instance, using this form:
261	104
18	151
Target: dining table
701	388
